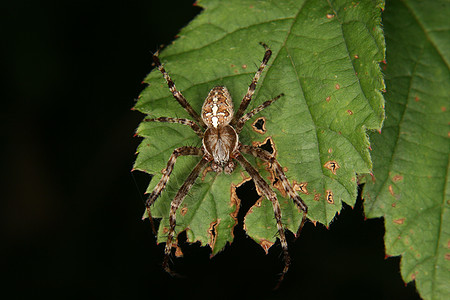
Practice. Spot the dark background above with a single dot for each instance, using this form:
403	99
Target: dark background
71	222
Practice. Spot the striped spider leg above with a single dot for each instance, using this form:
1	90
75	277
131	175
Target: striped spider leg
177	94
265	189
219	126
252	87
182	151
289	190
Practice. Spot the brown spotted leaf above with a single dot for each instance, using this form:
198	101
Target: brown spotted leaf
410	186
325	61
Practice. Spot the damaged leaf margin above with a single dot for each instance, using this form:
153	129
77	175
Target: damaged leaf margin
319	77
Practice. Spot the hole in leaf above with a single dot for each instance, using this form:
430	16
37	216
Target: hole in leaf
246	192
259	125
267	145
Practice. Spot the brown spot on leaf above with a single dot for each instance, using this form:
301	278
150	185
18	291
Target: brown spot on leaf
399	221
244	67
330	198
417	99
356	56
259	125
232	66
183	211
332	165
349	112
328	99
330	150
391	190
317	197
330	16
413	275
443	108
397	178
301	187
337	86
265	244
447	256
394	204
206	171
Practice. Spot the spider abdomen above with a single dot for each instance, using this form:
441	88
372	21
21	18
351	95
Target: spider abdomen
217	110
220	143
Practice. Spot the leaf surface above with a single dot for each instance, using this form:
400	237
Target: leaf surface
410	187
325	60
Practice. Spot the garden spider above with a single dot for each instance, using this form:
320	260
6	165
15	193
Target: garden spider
220	147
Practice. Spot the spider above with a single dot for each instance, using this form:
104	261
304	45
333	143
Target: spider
219	126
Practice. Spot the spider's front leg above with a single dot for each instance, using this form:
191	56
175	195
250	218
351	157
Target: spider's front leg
252	87
177	94
240	123
176	202
264	187
266	156
182	151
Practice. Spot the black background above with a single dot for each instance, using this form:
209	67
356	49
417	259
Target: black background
72	225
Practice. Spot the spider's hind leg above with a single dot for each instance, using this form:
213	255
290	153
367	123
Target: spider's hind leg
265	189
176	202
182	151
266	156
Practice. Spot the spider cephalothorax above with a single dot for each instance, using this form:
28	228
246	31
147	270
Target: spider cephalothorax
219	126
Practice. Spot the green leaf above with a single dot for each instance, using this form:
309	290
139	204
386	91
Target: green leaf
325	60
411	187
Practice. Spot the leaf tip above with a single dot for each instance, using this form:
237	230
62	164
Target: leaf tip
265	244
